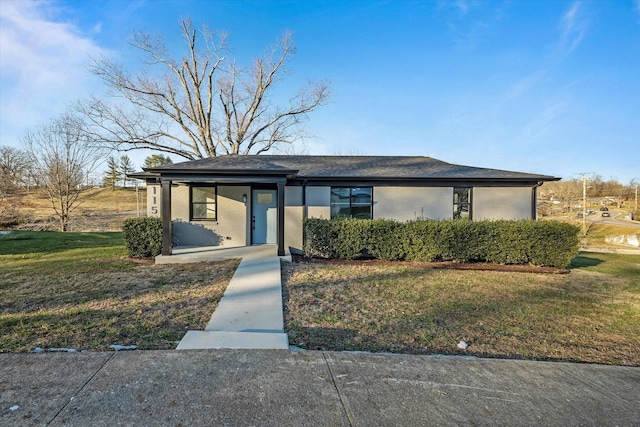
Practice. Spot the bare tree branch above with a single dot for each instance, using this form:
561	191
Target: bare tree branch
14	165
201	104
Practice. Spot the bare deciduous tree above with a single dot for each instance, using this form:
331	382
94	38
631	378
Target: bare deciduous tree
568	193
61	158
200	105
13	169
615	191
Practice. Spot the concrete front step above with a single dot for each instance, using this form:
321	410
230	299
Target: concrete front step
239	340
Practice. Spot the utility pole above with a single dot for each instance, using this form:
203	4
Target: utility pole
584	204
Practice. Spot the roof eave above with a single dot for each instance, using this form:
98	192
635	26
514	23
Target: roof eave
253	172
535	178
143	175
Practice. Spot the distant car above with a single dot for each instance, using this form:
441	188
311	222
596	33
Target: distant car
579	215
604	208
606	213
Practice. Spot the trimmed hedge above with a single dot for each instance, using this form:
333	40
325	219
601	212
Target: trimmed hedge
547	243
143	237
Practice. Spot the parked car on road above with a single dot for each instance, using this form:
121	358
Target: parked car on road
604	208
606	213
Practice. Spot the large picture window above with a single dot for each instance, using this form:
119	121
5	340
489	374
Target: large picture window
462	203
351	202
203	202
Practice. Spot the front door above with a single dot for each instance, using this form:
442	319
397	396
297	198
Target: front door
264	216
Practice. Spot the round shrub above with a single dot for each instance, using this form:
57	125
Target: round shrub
143	237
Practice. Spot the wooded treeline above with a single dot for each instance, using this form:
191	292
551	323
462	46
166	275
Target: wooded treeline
569	194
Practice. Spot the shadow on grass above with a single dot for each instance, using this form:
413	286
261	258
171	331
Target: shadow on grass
583	261
33	242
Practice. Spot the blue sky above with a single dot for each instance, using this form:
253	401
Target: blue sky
550	87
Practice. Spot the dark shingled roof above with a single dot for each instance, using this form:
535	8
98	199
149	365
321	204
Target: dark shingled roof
345	167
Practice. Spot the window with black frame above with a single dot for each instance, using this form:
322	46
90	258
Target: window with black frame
203	203
351	202
462	203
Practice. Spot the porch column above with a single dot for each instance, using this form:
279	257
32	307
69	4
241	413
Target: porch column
280	238
166	217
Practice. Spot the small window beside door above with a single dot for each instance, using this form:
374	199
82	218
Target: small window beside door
203	203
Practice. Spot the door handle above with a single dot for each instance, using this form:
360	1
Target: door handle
253	222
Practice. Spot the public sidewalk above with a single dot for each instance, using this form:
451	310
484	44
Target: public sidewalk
309	388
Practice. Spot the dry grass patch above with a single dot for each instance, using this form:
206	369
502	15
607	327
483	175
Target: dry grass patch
589	315
148	306
78	290
598	232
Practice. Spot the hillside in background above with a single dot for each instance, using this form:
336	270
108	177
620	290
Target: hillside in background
105	209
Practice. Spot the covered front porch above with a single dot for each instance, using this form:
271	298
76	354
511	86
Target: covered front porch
202	212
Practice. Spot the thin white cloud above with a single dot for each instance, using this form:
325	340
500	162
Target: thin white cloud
514	97
43	66
524	85
462	6
470	21
542	123
573	27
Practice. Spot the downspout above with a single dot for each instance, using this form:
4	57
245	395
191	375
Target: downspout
534	200
305	211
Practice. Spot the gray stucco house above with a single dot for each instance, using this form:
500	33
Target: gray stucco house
247	200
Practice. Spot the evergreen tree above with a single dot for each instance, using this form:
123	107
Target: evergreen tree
112	175
126	168
155	160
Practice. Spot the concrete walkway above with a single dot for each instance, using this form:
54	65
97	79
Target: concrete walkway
249	315
311	388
